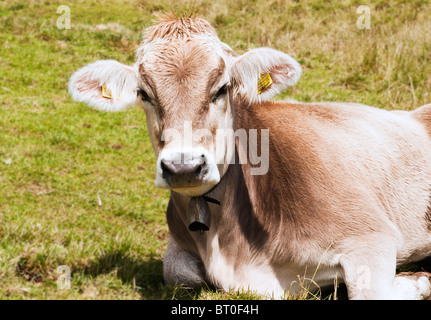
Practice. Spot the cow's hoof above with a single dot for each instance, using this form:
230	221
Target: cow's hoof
422	282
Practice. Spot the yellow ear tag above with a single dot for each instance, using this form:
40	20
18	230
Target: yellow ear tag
106	93
263	83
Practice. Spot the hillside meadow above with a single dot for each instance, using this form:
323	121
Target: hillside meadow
77	185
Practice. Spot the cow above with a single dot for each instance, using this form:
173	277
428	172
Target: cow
342	190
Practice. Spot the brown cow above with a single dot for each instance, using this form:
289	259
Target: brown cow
276	189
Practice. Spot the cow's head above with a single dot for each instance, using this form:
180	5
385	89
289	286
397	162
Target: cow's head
186	79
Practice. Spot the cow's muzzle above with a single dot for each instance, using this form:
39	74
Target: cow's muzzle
181	175
189	171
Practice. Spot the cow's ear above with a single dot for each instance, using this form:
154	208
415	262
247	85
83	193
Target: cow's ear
105	85
260	74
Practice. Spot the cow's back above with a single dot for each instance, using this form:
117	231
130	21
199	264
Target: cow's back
423	115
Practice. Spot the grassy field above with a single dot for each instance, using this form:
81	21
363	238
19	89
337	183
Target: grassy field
77	185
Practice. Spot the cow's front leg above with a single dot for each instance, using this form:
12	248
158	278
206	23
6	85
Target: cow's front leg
182	267
369	272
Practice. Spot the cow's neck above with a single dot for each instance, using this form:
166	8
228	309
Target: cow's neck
227	193
235	228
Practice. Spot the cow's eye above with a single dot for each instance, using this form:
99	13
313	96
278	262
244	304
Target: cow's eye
144	95
221	92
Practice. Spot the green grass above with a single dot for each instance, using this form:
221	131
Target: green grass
77	185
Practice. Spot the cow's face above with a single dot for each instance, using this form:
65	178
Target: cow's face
184	87
186	80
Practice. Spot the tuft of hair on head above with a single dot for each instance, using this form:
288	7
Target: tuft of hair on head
172	26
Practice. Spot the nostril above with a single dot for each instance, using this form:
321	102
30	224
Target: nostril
198	171
165	171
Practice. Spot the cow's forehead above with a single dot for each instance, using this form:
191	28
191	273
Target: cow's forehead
166	57
182	55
